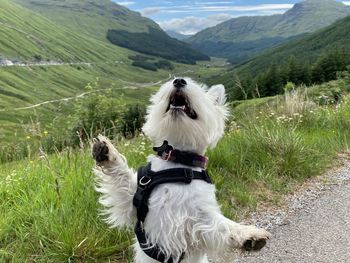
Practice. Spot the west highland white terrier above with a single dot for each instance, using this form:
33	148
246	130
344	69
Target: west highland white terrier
171	202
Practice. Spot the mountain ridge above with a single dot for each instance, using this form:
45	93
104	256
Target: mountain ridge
305	17
305	52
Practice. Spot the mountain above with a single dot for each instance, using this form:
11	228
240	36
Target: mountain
109	22
305	52
240	38
177	35
25	35
307	49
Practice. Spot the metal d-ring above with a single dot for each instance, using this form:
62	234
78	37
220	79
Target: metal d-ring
143	184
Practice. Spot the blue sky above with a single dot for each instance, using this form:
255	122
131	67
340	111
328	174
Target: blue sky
191	16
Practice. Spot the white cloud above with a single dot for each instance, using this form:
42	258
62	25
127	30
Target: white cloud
150	11
125	3
191	25
221	10
203	7
346	2
243	8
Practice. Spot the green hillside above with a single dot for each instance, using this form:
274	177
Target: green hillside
239	38
90	17
108	22
308	49
312	59
25	34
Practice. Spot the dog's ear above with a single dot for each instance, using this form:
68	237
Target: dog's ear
218	94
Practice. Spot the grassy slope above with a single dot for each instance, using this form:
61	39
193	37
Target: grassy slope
22	40
25	86
49	208
31	85
93	18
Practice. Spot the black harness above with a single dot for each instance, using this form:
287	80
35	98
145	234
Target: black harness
147	181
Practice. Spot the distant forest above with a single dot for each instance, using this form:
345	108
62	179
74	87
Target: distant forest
273	80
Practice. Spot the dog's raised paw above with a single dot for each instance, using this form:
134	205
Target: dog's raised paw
100	151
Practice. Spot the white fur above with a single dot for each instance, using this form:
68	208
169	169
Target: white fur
181	218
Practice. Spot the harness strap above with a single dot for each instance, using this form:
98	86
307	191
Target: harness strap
147	181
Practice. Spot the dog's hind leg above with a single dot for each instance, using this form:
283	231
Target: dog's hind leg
116	182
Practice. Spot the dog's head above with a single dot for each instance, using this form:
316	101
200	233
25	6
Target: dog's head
188	115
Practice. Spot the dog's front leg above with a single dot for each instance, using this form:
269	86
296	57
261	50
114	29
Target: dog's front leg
248	237
116	182
225	234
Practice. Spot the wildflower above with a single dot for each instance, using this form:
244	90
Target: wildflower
46	133
28	137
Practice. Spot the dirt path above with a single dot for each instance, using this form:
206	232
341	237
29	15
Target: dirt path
315	227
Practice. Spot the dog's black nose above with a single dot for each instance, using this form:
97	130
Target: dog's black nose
179	83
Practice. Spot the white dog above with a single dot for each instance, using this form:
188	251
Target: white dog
184	222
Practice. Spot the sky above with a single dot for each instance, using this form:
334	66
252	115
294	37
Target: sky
190	16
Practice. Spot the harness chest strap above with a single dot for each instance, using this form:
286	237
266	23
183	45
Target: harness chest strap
147	181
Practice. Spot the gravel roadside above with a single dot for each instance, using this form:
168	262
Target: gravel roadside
314	225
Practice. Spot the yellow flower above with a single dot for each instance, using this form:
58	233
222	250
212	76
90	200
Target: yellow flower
46	133
28	137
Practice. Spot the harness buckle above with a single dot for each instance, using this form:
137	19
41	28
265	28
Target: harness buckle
144	183
189	175
166	156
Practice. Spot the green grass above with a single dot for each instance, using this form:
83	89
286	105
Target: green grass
45	216
50	211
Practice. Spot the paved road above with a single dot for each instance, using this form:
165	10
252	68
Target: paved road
319	232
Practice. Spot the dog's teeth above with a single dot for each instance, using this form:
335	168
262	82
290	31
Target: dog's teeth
183	107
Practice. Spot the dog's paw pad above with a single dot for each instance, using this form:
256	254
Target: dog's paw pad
100	151
253	245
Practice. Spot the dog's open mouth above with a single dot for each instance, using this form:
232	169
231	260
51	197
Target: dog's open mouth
179	103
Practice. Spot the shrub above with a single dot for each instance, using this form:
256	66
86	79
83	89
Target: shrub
133	119
145	65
